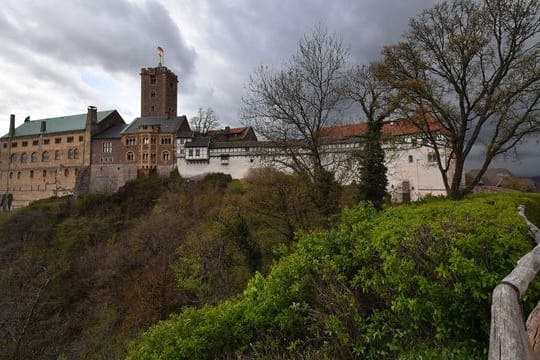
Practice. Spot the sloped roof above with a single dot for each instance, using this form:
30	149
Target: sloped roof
199	142
167	125
57	124
114	132
390	128
233	134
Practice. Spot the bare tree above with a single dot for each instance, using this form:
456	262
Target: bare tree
474	66
289	107
204	121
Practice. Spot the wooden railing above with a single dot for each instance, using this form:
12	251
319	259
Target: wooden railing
510	336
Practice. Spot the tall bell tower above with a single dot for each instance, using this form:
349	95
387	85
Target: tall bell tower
159	87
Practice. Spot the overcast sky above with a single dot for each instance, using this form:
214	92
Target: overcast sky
58	57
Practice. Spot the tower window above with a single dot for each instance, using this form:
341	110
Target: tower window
152	94
166	156
130	156
107	147
152	79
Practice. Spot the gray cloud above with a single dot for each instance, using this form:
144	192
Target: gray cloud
60	56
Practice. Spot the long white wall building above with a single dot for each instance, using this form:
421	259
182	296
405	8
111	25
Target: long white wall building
412	167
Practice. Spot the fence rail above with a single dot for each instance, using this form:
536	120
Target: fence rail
510	336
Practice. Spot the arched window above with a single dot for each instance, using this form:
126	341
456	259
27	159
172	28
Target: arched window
44	173
130	156
57	155
45	156
31	174
34	157
70	154
76	153
66	172
166	156
24	158
13	158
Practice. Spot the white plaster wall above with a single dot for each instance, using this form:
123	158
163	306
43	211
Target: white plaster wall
423	176
238	166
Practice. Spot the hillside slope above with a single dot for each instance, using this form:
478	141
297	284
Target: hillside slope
408	282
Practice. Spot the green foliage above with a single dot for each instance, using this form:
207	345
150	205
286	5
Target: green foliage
373	180
410	282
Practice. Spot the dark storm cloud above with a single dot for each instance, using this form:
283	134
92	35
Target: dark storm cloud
118	36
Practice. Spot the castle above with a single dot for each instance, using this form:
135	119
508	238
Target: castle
99	152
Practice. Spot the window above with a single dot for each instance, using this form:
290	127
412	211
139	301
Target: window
46	142
145	156
166	156
45	156
152	108
66	172
57	155
13	144
10	175
107	147
224	159
70	154
165	140
131	141
190	152
130	156
18	175
145	140
24	158
69	139
153	156
31	174
58	140
182	141
152	79
5	145
410	158
153	140
44	173
35	142
25	143
33	157
76	153
198	152
152	94
431	157
13	158
81	138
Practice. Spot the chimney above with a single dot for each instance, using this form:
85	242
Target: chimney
27	119
43	128
12	125
91	116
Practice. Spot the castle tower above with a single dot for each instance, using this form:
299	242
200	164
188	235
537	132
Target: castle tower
158	92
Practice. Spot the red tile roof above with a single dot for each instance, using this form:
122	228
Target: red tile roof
390	128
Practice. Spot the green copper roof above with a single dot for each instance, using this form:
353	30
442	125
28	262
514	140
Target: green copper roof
58	124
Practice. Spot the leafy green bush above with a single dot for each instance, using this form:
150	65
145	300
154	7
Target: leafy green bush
411	282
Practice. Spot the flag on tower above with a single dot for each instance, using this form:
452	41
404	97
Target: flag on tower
160	50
